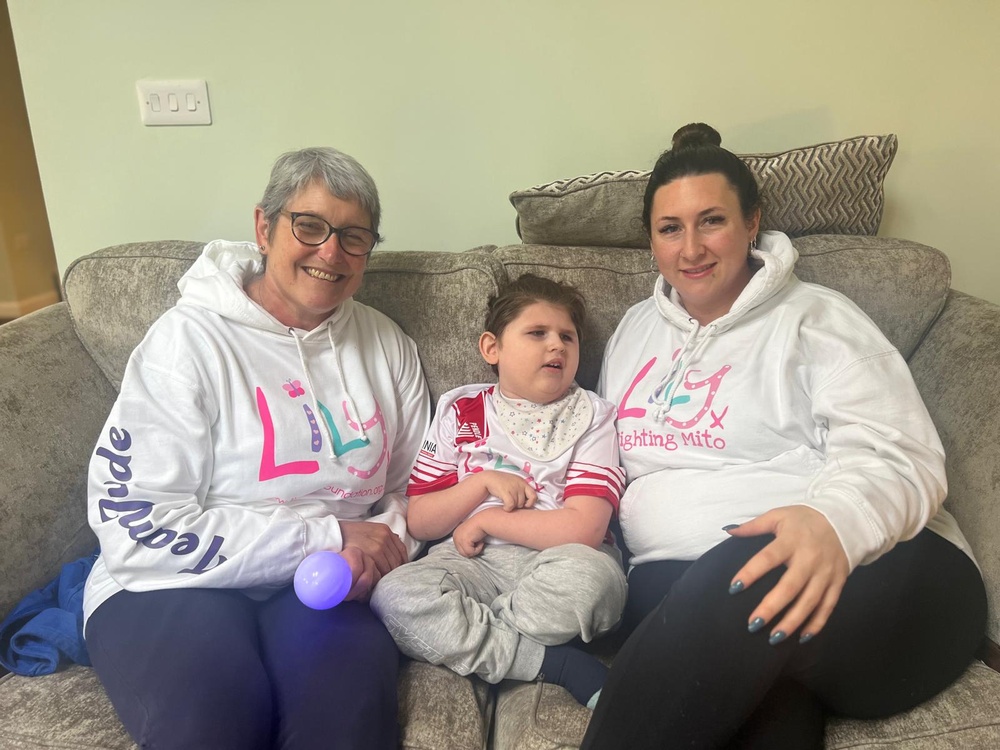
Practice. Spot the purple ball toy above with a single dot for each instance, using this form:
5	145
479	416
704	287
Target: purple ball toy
322	580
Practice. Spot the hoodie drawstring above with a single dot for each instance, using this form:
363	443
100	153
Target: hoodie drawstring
351	406
353	409
691	349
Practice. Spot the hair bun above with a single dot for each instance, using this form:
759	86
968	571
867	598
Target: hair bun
696	134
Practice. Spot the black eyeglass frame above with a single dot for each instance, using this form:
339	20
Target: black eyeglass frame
331	230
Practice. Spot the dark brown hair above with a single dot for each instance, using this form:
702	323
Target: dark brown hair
526	290
696	149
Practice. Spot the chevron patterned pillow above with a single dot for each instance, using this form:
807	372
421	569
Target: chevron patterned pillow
829	188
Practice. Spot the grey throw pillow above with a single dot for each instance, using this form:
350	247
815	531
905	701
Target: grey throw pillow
829	188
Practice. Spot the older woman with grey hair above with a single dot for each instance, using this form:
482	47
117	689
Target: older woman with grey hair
265	417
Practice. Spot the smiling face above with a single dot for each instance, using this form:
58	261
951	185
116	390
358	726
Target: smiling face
537	354
700	240
303	284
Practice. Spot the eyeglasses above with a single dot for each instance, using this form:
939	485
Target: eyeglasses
313	230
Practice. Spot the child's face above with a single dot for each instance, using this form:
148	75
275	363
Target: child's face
537	354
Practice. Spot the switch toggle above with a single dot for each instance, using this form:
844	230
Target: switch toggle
174	102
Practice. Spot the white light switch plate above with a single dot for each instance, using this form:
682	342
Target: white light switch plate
174	102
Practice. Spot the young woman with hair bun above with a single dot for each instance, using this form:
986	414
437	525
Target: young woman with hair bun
790	554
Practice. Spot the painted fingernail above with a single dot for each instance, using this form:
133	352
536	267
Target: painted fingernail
805	637
756	624
736	587
730	527
777	637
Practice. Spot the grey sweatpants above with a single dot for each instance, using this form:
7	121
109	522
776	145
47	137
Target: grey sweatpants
492	615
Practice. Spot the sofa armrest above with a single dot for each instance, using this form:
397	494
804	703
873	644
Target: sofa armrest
53	401
955	368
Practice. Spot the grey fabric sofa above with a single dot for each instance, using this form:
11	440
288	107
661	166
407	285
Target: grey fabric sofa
60	367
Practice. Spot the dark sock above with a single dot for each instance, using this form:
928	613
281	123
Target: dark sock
578	672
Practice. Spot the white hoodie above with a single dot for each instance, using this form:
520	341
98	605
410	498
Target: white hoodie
793	397
237	443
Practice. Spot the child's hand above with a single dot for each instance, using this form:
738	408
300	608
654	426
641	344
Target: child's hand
513	491
468	537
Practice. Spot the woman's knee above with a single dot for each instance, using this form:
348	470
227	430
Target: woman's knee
334	676
238	713
169	688
701	597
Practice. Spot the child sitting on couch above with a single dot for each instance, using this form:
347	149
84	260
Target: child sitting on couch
524	475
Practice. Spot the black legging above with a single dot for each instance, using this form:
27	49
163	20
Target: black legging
691	676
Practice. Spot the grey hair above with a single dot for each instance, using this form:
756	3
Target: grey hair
341	174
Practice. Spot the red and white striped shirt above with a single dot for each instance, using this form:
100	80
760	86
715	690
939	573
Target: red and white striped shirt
466	437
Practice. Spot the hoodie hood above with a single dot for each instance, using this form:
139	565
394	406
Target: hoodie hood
217	280
774	257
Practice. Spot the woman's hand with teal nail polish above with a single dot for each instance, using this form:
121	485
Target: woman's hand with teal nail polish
816	568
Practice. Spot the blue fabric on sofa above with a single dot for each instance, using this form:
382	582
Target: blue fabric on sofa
45	629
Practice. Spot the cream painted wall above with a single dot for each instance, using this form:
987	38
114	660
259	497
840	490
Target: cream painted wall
453	104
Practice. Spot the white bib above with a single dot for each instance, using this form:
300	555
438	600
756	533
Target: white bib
545	430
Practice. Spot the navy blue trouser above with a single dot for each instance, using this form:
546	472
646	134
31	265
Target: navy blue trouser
206	668
691	676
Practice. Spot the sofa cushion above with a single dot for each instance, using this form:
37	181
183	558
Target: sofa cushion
441	710
116	293
536	716
955	369
439	300
829	188
68	709
438	710
53	401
